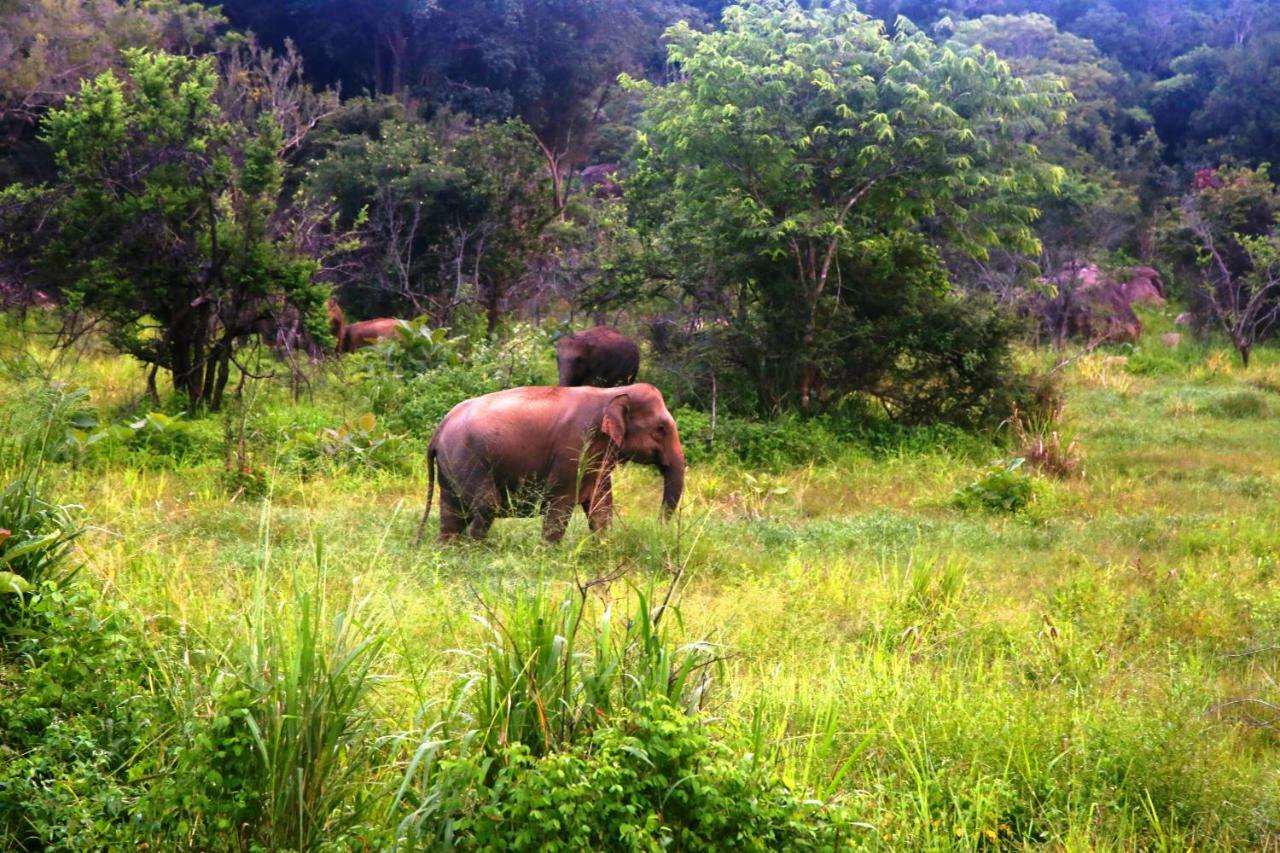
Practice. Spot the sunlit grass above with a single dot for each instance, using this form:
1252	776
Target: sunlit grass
1070	674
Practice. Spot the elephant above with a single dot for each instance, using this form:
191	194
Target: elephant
510	452
367	332
353	336
600	356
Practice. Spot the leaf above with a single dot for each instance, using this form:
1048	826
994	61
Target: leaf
11	584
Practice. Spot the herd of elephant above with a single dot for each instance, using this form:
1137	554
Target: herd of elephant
544	449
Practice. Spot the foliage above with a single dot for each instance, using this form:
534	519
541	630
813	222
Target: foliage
838	158
79	717
166	222
1004	487
308	672
416	349
414	402
448	213
36	538
651	779
1228	222
49	47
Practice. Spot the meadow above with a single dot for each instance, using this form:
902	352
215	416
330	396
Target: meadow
885	634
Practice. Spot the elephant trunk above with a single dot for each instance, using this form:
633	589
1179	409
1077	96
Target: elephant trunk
672	485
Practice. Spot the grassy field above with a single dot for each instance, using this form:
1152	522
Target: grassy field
1094	671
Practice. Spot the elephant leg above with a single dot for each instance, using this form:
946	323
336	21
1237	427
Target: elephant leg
453	519
597	503
559	510
481	521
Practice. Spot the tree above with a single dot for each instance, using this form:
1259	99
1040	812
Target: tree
1230	221
449	213
166	226
804	167
48	46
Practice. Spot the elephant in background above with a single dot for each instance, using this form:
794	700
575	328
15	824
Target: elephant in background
511	452
353	336
600	356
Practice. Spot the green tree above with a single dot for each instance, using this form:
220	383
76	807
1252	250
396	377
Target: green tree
449	213
166	226
805	166
1225	238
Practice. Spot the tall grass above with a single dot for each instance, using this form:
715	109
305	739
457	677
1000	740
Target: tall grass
553	666
310	669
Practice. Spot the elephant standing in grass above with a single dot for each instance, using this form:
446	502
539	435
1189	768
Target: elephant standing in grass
599	356
511	452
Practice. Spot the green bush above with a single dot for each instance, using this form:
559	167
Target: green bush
552	668
651	779
79	722
36	537
1003	488
360	443
414	401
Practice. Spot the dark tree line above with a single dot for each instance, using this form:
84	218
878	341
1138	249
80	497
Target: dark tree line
792	234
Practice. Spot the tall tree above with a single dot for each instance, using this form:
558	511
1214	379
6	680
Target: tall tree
808	160
166	225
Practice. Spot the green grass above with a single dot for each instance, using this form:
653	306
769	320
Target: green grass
1087	672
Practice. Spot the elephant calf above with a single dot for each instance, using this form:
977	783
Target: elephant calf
507	453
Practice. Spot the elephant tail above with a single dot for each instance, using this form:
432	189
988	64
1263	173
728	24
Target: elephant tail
431	488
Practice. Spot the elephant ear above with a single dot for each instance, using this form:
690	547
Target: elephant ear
613	422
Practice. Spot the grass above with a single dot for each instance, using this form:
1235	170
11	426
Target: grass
1089	672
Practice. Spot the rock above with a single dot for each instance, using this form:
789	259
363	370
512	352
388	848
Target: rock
1172	340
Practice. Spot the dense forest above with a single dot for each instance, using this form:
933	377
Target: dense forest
803	204
949	326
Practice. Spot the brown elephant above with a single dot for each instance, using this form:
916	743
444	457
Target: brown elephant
353	336
601	356
510	452
367	332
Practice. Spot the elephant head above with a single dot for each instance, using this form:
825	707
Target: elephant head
640	429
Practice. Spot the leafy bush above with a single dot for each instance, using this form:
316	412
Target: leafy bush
580	731
38	425
1004	488
651	779
415	403
79	720
356	444
278	742
36	537
416	349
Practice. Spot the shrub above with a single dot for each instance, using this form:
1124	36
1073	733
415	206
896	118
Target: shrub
550	670
580	731
79	721
277	741
1004	488
652	779
36	537
357	444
